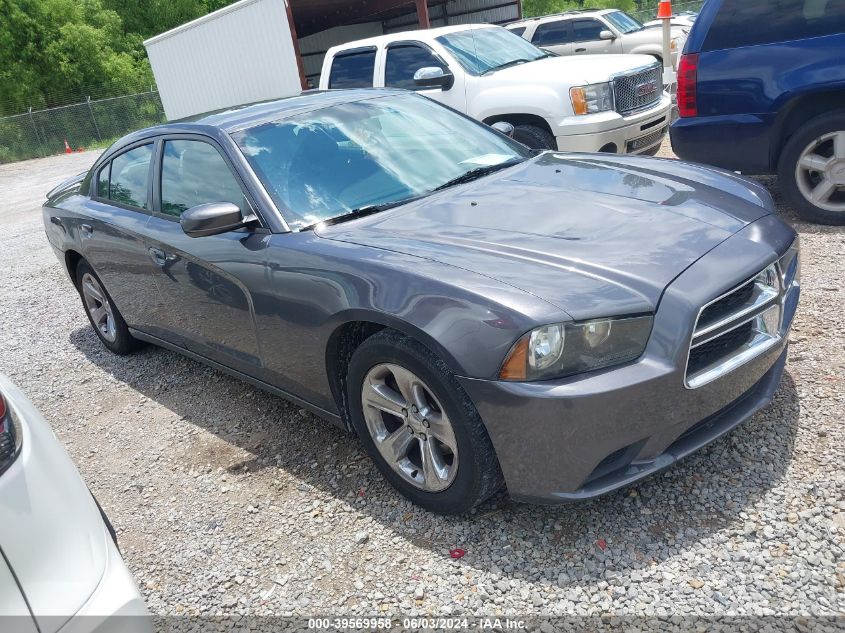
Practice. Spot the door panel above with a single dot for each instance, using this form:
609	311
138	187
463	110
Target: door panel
206	283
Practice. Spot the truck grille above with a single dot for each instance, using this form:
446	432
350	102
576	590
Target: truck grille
738	326
638	90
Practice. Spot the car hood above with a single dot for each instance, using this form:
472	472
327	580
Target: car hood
572	70
594	235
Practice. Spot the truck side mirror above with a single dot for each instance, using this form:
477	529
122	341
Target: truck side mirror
504	127
607	35
433	77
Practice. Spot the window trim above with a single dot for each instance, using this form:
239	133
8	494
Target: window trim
150	140
569	31
200	138
349	52
408	44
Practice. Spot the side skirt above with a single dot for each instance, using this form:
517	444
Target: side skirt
334	418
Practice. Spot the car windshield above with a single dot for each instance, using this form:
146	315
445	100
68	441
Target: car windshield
487	49
623	22
342	159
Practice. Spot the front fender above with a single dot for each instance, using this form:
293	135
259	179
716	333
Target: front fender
543	101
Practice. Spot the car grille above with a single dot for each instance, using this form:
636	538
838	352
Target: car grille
638	90
741	324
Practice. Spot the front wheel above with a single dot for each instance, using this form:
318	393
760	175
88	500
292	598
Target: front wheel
811	171
419	426
534	137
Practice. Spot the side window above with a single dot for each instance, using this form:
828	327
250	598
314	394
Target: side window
353	70
586	30
403	61
518	30
103	181
551	33
740	23
192	173
130	177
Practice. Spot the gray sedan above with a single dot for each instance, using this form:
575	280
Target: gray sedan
479	314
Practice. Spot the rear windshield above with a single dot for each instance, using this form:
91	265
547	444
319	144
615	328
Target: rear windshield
744	23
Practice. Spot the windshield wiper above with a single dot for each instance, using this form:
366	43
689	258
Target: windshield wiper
360	212
478	172
512	62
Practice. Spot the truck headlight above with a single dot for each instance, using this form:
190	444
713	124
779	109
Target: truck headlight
592	98
564	349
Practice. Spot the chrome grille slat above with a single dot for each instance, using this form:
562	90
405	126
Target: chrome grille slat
733	329
626	89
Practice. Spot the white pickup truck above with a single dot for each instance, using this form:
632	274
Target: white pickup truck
605	103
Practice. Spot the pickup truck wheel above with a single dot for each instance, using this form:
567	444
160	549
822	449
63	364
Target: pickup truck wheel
419	425
811	171
104	317
534	137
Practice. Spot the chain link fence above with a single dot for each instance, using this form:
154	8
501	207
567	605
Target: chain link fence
39	133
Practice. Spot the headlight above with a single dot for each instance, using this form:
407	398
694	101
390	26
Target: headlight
591	99
790	265
564	349
674	44
10	436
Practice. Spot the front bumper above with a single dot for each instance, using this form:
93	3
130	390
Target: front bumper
584	436
634	134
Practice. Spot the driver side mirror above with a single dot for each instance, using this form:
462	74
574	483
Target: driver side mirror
211	219
433	77
504	127
607	35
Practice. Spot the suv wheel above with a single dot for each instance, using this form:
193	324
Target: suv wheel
534	137
811	171
419	426
105	318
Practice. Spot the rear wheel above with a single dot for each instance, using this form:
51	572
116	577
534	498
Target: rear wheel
104	317
534	137
811	171
419	426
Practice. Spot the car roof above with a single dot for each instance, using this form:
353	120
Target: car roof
423	35
556	16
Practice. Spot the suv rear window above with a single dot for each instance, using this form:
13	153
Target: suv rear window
353	70
744	23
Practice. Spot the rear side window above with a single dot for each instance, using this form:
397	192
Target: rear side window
517	30
403	61
551	33
130	177
744	23
353	70
194	172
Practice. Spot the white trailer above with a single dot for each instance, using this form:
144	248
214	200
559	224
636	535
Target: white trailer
242	53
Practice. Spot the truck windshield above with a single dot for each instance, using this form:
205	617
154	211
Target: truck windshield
487	49
362	156
623	22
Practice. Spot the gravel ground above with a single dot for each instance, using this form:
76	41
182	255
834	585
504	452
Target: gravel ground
228	500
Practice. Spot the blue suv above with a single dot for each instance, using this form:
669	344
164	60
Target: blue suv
761	90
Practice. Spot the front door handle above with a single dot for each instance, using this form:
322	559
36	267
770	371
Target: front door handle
580	50
158	255
86	229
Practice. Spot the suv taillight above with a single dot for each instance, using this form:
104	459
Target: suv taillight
688	86
10	437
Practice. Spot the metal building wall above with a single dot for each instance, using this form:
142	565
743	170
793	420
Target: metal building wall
460	12
239	54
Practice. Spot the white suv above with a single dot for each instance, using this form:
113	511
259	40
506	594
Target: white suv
596	33
587	104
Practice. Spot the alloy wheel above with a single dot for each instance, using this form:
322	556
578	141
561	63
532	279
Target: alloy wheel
98	306
410	429
820	172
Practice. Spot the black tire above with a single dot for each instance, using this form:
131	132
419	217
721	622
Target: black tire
478	473
787	178
124	343
534	137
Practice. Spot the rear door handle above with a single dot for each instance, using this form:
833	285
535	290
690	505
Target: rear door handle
580	50
86	229
158	255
